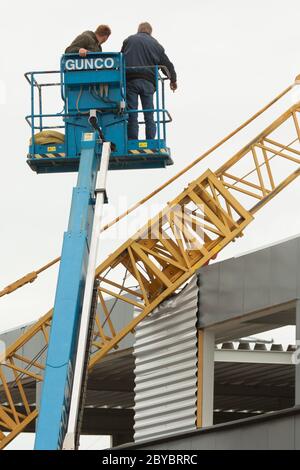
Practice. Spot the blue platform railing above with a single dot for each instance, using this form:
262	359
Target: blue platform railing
161	119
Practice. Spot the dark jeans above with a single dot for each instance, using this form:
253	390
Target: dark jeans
145	90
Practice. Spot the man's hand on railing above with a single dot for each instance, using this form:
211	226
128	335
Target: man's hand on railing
83	52
173	86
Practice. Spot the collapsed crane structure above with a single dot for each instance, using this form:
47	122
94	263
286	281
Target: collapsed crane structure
212	211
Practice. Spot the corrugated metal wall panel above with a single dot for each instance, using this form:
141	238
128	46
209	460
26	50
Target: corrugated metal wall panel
165	352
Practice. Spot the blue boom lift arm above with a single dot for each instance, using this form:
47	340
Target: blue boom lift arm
60	365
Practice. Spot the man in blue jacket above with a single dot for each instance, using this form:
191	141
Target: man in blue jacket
141	50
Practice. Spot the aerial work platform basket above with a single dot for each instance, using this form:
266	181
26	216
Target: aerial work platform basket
98	83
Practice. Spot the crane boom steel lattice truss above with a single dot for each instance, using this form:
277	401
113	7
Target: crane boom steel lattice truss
210	213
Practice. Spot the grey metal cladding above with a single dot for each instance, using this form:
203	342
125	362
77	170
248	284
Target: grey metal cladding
257	280
276	431
209	281
284	271
231	274
165	352
249	283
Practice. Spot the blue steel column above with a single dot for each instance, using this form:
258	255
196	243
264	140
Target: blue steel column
56	391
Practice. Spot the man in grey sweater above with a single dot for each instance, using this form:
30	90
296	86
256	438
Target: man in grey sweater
89	41
141	50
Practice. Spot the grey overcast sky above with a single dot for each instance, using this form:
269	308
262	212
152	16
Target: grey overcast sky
231	57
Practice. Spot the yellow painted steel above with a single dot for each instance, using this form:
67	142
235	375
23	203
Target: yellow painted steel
39	156
206	216
29	278
147	151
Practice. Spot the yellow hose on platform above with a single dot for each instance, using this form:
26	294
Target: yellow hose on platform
48	137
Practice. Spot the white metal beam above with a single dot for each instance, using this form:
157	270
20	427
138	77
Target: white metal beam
254	357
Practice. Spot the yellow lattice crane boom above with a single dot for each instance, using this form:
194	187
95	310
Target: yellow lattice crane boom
213	210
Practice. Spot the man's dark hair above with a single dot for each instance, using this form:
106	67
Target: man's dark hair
145	28
103	30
